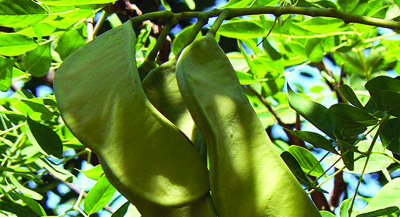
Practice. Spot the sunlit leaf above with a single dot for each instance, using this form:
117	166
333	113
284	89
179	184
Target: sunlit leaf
385	202
6	73
316	139
99	196
314	112
13	44
242	29
20	13
75	2
307	161
38	61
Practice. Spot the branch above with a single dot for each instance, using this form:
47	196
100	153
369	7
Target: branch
277	11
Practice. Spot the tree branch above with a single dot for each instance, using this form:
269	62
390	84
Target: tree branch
277	11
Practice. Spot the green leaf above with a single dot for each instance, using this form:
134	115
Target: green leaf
344	208
242	29
237	3
93	173
191	4
257	3
385	202
45	138
19	210
38	61
296	169
166	5
69	42
121	211
391	102
314	25
316	139
314	50
6	73
380	83
32	204
314	112
13	44
34	108
24	190
75	2
390	135
348	113
347	154
56	171
20	13
99	196
326	214
347	6
378	160
350	96
307	161
181	39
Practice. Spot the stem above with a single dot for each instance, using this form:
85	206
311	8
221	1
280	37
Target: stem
223	16
201	21
277	11
161	39
382	124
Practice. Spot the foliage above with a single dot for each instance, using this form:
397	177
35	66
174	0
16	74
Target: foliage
322	72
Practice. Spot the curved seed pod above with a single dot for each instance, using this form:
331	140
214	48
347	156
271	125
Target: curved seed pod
247	176
101	100
162	90
145	68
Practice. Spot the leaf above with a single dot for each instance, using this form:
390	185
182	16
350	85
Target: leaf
181	39
348	113
391	102
14	44
24	190
69	42
241	29
38	61
237	3
315	139
314	50
296	169
314	25
390	135
99	196
20	13
34	108
326	214
45	138
93	173
347	6
191	4
6	73
75	2
350	96
344	208
347	154
380	83
314	112
385	202
32	204
56	171
20	211
307	161
121	211
378	160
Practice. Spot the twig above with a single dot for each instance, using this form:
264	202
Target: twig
277	11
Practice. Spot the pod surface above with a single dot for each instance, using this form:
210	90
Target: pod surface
247	176
102	101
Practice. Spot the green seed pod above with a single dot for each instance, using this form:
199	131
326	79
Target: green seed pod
247	176
145	68
162	90
102	101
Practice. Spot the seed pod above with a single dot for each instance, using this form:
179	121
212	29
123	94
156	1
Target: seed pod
102	101
247	177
